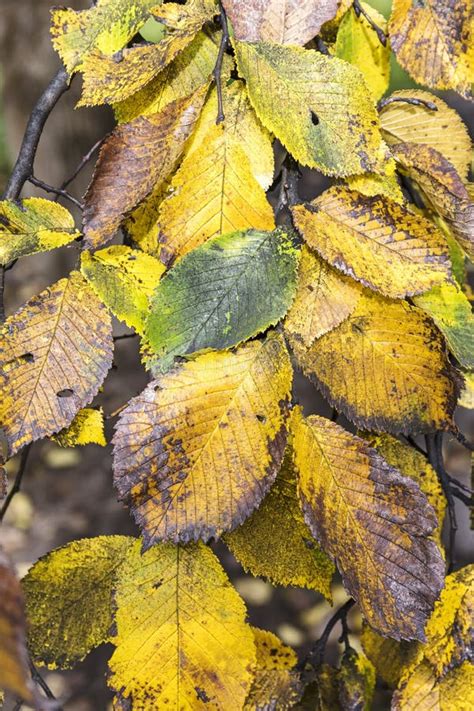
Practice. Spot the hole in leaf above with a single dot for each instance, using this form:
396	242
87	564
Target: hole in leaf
28	357
314	119
67	392
261	418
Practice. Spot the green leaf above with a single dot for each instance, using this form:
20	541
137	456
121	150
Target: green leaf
225	291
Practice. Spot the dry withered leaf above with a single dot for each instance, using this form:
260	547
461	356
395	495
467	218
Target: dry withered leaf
135	158
375	240
54	352
348	492
280	21
180	460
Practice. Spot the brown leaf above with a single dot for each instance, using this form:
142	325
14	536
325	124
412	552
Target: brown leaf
54	354
135	158
14	674
281	21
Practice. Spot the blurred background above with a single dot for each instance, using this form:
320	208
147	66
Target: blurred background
67	493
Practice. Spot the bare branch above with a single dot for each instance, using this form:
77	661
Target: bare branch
218	66
359	10
57	191
17	483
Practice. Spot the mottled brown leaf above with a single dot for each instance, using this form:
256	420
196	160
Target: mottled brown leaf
349	493
135	158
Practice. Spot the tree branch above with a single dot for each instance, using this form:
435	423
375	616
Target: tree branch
83	163
315	656
434	446
57	191
17	483
217	71
407	100
359	10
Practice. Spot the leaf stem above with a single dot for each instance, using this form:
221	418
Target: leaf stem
434	446
17	483
217	71
359	10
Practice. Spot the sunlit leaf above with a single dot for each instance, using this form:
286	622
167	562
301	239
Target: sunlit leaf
319	107
54	354
37	226
466	398
225	291
124	279
128	170
348	492
388	656
215	189
86	428
180	460
283	21
432	41
181	638
275	542
442	129
323	299
375	240
385	367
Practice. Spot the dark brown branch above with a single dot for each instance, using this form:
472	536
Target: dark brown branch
315	657
288	191
83	163
434	446
359	10
321	46
407	100
462	440
38	679
17	483
123	336
57	191
217	71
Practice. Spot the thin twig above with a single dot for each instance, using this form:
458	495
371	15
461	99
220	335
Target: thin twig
321	46
18	479
359	10
462	440
124	336
315	656
217	71
407	100
57	191
434	446
38	679
83	163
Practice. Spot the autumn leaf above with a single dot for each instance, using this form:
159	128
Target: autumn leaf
441	129
293	22
86	428
358	44
141	226
180	461
319	107
108	79
274	542
348	492
375	240
276	683
432	41
124	279
323	299
216	189
466	398
388	656
54	352
14	671
385	368
386	183
451	311
69	598
356	679
107	26
37	226
441	674
190	70
225	291
181	638
128	170
442	188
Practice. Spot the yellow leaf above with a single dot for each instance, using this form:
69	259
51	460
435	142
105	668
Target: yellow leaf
441	187
180	460
432	679
451	311
432	41
442	129
281	21
371	184
215	190
69	598
37	226
356	681
413	464
187	72
274	542
323	299
466	399
181	638
124	279
127	170
358	44
86	428
319	107
108	79
388	656
107	26
376	241
349	493
54	354
14	671
385	368
276	683
142	224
